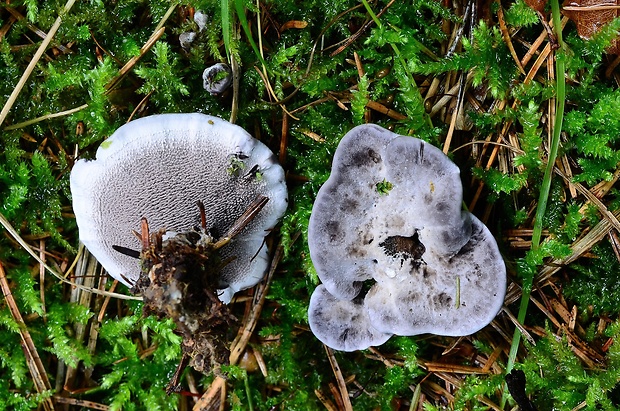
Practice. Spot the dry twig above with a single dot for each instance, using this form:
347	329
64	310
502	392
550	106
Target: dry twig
38	372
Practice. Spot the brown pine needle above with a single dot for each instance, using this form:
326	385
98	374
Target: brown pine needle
38	372
342	386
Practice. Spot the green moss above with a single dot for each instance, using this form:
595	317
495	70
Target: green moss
594	130
592	286
520	14
59	318
473	388
397	55
486	56
384	187
125	383
530	140
359	100
163	80
557	378
19	401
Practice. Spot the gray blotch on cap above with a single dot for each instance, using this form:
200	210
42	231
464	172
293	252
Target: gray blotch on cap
158	167
186	39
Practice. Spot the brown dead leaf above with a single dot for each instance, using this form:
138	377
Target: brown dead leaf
537	5
293	24
590	16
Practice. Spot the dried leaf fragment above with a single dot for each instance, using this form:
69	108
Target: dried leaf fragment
590	16
293	24
537	5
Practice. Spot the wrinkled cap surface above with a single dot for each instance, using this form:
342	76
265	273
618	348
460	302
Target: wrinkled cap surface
391	244
158	167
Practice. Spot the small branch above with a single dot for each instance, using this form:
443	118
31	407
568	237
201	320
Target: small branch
342	386
45	117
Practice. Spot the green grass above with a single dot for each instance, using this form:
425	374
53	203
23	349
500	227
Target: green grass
96	350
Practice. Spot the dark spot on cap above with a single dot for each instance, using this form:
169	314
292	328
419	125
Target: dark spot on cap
374	156
412	297
467	248
477	238
403	247
365	156
334	231
349	205
442	300
345	335
358	252
442	207
386	318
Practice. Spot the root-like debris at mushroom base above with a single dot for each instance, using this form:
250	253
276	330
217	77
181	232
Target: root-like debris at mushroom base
180	279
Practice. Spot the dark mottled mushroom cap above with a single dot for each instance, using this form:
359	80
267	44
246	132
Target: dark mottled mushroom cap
390	216
158	167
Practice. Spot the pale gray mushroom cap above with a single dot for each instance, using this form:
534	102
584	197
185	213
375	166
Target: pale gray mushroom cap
186	39
428	266
201	19
158	167
217	78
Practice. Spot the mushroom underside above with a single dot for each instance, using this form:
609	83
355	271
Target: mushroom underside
159	167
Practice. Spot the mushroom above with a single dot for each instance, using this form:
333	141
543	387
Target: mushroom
159	167
187	38
217	78
394	249
201	19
